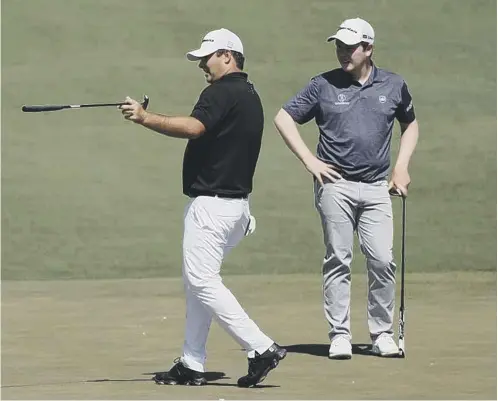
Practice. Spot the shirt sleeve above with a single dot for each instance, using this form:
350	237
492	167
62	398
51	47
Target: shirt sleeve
405	112
212	106
303	107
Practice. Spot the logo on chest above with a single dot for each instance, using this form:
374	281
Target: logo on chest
341	99
382	99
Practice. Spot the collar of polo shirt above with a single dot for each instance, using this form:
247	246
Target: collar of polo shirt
375	76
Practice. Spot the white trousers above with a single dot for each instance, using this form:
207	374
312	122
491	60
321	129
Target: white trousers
213	227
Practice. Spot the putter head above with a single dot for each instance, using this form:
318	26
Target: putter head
145	103
401	333
401	348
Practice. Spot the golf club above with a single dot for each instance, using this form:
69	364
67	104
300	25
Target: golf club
55	107
401	327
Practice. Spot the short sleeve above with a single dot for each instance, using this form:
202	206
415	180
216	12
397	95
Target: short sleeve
405	112
303	106
212	106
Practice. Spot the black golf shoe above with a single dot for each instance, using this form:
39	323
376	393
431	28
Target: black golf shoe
260	366
180	374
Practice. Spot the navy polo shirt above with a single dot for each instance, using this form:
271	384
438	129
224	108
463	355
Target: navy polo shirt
355	121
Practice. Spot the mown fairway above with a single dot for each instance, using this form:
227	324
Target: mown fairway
103	339
87	196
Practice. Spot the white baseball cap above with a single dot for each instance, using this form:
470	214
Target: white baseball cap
353	31
216	40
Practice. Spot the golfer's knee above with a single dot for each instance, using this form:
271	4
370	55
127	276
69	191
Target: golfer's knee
337	258
381	262
200	282
336	265
195	282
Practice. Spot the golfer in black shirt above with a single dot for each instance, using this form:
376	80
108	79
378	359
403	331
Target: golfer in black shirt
224	130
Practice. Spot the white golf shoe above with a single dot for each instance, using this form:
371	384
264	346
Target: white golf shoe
340	348
384	345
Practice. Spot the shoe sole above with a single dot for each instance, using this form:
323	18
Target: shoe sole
265	373
393	354
340	357
175	383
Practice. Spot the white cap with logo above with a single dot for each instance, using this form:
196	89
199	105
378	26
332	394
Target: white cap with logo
353	31
220	39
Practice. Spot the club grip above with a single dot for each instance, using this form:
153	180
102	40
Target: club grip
396	192
145	103
36	109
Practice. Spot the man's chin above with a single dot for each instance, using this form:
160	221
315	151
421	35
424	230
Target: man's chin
347	67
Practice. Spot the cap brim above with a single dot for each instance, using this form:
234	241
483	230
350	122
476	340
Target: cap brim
203	51
345	36
196	55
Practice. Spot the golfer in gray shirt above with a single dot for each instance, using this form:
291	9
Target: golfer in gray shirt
354	108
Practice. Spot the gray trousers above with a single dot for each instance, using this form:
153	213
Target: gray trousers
346	207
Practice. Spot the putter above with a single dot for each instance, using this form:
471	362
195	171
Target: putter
56	107
401	326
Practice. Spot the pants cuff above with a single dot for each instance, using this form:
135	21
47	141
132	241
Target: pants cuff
261	349
191	363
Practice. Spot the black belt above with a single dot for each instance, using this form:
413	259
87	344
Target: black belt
352	178
355	179
212	194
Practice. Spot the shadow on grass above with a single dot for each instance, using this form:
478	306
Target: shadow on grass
323	349
60	383
212	377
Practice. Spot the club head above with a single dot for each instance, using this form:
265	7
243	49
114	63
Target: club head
401	348
145	103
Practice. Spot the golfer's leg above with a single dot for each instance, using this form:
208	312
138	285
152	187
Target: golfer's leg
375	230
198	318
235	236
213	221
198	322
336	205
238	231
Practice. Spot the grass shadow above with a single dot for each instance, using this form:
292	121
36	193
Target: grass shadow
323	349
209	376
309	349
59	383
115	380
212	378
235	385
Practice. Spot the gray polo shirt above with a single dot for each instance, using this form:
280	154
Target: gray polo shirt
355	121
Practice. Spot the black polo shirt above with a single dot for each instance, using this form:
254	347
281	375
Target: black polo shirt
222	161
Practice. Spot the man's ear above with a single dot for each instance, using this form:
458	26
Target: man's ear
369	49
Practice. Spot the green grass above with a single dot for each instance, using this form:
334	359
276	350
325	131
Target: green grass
87	195
101	339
